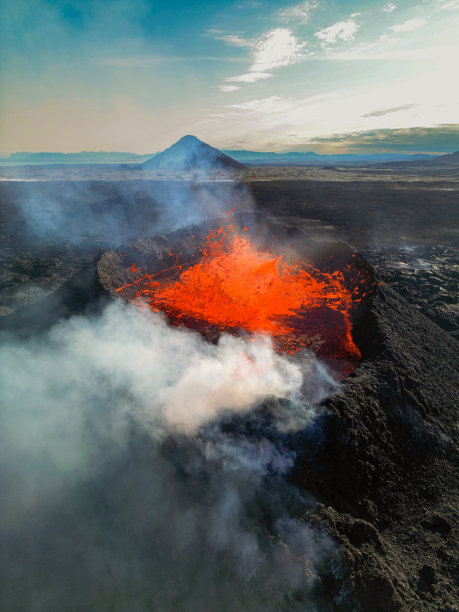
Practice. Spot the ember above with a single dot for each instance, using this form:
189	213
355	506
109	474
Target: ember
234	285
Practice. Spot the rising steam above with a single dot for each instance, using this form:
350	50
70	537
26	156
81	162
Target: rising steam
127	485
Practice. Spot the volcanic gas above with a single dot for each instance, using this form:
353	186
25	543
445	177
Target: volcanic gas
232	284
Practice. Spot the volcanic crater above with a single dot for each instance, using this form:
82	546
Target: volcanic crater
380	459
384	458
249	274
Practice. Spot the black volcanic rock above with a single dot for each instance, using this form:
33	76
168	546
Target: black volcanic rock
190	153
386	471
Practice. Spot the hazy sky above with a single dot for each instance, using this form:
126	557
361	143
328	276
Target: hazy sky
135	75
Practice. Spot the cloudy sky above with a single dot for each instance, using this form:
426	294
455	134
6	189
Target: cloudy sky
322	75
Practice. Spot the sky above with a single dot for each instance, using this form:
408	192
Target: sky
348	76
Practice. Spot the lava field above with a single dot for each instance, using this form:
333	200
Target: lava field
320	474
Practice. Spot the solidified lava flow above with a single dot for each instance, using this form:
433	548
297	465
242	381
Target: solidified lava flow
234	286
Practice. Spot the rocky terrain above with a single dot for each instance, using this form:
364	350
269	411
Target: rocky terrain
380	461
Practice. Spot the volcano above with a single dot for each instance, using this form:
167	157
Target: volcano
247	275
190	153
384	469
379	459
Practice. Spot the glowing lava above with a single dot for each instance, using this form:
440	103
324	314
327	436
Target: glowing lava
236	286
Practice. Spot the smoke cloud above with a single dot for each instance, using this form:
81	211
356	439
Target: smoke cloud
110	212
146	469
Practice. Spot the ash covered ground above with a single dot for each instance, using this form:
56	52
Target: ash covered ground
372	482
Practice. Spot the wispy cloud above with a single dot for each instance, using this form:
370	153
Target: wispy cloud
389	7
389	111
408	26
230	39
377	53
277	48
271	104
228	88
299	13
448	5
342	30
249	77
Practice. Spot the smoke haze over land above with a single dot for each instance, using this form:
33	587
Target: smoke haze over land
72	212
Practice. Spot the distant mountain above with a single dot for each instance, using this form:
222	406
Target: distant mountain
451	160
190	153
315	159
84	157
262	157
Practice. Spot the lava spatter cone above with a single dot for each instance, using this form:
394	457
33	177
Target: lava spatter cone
240	277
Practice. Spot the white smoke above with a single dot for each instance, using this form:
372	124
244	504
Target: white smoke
121	485
234	375
84	212
173	377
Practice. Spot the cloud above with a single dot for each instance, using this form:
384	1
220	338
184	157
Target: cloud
230	39
408	26
249	77
276	48
228	88
263	105
390	50
299	13
389	7
276	122
342	30
448	4
443	138
388	111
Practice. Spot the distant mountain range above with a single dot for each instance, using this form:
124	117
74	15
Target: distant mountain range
84	157
451	160
191	153
315	159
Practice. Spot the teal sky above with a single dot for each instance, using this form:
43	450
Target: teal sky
136	75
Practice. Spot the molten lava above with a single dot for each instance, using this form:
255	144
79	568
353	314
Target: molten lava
236	286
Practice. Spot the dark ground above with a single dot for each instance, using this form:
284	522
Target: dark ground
389	496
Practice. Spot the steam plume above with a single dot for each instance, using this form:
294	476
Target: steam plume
124	483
